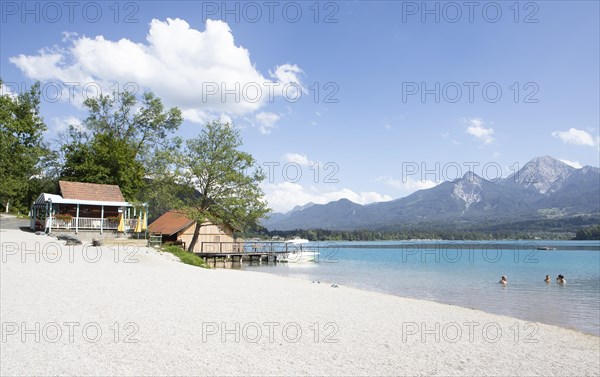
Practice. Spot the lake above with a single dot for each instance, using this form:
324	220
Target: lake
466	273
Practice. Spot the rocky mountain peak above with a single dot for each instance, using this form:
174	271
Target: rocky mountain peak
542	174
468	189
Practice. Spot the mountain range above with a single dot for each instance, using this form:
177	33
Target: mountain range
544	188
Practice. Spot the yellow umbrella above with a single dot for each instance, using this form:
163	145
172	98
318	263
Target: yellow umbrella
138	224
121	227
145	220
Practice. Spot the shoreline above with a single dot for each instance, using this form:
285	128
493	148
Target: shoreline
416	299
158	316
468	279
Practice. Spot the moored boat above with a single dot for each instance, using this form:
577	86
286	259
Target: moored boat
298	252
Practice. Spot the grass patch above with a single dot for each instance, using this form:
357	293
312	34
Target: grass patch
185	256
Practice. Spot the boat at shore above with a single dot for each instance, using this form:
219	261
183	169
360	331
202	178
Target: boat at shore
545	248
298	252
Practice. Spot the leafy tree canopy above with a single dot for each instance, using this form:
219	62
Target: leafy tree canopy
115	142
21	145
221	181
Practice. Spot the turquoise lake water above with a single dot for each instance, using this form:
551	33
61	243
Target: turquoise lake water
467	274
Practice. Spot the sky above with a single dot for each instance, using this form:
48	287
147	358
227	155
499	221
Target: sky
364	100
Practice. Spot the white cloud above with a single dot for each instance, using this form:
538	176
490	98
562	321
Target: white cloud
196	116
408	186
224	118
576	137
68	36
297	158
188	68
284	196
265	121
5	90
62	124
288	75
475	127
575	164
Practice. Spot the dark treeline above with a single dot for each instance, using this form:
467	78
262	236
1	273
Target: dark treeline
588	233
544	229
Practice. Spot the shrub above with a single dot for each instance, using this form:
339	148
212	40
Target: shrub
185	256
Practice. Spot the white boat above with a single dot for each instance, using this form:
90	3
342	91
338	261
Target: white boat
545	248
298	252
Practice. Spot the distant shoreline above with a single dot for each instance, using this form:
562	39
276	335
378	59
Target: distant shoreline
432	245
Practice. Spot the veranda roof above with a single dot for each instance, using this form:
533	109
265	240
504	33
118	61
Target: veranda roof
57	199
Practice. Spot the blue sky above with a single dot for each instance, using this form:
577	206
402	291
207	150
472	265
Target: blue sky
408	94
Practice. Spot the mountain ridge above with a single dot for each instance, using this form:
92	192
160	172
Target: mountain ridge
544	185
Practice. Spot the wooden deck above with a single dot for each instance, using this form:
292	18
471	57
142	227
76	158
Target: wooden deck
252	251
269	257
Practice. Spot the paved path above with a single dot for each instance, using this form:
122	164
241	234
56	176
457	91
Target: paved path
11	222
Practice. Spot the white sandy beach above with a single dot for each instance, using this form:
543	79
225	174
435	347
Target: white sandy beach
158	316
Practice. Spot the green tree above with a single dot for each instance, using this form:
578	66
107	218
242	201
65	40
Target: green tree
21	145
588	233
222	181
162	190
114	144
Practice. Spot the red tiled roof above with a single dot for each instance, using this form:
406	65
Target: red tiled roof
170	223
90	191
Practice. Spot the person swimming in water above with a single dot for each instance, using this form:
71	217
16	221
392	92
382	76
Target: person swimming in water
503	280
561	279
547	279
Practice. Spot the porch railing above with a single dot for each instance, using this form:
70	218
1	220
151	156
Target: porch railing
91	223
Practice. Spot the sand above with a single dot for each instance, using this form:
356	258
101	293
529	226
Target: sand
95	311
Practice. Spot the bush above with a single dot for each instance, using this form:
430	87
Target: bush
185	256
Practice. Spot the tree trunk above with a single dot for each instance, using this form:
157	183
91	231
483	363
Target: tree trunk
195	237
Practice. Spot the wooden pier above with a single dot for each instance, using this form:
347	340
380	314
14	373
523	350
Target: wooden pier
239	257
251	251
